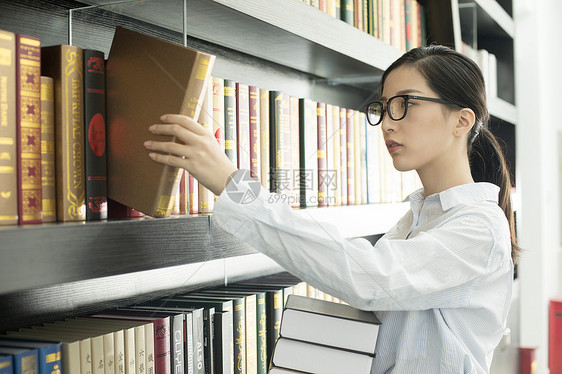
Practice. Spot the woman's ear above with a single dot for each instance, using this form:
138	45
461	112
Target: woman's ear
465	121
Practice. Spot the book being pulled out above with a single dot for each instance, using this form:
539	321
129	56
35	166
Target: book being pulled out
318	336
148	77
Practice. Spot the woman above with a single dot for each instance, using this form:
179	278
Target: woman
441	279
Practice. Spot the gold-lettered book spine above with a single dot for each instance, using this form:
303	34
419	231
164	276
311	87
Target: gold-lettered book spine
48	192
64	64
8	163
28	126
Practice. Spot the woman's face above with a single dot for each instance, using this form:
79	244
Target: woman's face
424	137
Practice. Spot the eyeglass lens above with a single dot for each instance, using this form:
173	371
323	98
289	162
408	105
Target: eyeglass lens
396	108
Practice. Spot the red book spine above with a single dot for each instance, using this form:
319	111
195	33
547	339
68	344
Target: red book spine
118	210
28	98
322	149
350	132
255	159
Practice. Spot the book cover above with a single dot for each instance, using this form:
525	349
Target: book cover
255	146
179	75
308	137
64	64
295	153
335	137
94	135
28	126
350	135
48	353
206	197
264	139
184	193
343	155
223	349
357	157
48	187
243	125
330	324
8	158
313	358
230	125
25	359
6	364
358	14
322	154
280	143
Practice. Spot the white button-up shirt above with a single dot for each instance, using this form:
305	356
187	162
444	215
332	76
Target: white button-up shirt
440	280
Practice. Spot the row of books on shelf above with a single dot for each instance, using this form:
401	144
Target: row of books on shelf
230	329
488	64
58	162
400	23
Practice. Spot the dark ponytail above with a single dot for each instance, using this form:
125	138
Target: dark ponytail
457	79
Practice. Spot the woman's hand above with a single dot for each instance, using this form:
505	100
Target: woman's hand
200	154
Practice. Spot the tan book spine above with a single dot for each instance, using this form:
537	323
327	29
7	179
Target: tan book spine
295	153
264	137
48	189
357	156
218	112
206	197
8	161
64	64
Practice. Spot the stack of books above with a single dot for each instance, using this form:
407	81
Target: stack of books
319	336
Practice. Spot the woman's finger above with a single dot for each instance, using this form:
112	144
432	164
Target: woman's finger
173	148
174	129
184	121
171	160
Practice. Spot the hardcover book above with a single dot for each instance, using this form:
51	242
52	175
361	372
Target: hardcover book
308	137
343	155
48	187
94	132
230	125
28	125
330	180
295	153
64	64
206	197
6	364
25	359
255	146
178	75
48	353
8	158
330	324
264	138
335	138
322	155
312	358
243	125
350	151
280	143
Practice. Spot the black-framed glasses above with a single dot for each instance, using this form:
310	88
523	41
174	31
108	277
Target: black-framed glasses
396	107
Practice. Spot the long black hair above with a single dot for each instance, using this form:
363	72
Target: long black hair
455	78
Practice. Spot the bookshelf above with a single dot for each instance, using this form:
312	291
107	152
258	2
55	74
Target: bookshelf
51	271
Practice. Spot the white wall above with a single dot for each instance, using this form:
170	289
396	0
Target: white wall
539	99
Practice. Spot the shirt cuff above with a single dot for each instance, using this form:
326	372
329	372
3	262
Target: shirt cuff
238	202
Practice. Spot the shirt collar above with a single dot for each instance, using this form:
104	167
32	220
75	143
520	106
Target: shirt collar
463	194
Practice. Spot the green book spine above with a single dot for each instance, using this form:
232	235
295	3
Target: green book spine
347	12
